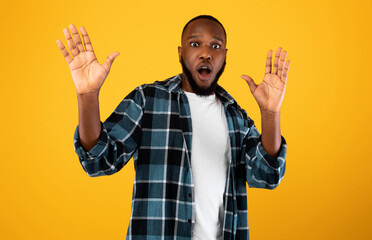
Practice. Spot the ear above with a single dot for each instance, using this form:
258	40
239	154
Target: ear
179	53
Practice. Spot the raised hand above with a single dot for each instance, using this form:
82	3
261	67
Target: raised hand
270	93
88	75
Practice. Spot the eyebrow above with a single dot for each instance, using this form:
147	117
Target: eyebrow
198	36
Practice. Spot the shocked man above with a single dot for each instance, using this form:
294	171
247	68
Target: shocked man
192	145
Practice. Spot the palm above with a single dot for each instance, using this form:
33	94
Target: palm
270	93
87	73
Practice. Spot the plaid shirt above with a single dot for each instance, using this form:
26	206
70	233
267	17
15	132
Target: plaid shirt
153	124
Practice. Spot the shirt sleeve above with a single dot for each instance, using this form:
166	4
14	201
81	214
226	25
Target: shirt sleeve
118	140
262	169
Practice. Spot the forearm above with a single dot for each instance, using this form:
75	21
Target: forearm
89	120
271	136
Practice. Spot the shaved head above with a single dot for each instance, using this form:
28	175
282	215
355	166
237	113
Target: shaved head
203	17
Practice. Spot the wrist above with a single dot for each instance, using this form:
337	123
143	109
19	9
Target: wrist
87	96
269	112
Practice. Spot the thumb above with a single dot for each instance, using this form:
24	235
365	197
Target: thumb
109	60
251	84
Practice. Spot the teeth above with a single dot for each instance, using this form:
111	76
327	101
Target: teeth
204	68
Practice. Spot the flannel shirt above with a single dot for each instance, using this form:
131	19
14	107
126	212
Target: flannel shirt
153	125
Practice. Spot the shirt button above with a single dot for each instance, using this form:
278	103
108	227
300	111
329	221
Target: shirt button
189	220
190	194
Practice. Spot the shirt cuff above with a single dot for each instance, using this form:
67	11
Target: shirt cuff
97	150
274	162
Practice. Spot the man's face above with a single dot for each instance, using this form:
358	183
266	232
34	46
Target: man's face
202	55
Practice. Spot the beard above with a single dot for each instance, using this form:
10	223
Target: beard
198	90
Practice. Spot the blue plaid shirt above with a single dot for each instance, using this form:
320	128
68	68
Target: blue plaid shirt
153	125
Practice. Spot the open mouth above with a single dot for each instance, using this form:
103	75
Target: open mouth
204	72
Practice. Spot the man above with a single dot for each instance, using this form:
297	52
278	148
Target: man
193	146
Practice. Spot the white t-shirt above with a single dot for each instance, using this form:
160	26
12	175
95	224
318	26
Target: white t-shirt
210	155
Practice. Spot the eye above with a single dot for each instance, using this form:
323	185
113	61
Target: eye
216	45
194	44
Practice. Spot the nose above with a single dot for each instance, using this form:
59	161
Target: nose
205	53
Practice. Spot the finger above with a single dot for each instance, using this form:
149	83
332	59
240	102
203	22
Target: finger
252	85
281	64
77	39
64	51
71	45
109	60
276	61
269	62
285	72
86	39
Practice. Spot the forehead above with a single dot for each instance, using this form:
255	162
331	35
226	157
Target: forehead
203	27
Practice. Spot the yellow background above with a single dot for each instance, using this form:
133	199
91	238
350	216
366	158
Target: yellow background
325	116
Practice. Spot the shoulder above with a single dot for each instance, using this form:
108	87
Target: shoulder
235	110
148	94
165	86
